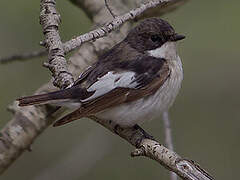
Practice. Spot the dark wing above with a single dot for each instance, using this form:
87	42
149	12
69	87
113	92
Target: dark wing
149	75
73	94
84	75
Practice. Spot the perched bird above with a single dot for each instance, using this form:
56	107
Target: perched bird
134	81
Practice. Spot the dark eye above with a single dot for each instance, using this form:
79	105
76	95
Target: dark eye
155	38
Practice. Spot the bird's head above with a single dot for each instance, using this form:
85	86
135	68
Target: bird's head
152	34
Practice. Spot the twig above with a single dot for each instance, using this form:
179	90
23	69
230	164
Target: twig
109	27
109	9
114	24
23	56
186	169
168	137
50	19
30	121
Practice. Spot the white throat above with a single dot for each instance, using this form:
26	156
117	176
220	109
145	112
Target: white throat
167	51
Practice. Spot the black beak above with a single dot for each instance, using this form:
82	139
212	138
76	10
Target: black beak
178	37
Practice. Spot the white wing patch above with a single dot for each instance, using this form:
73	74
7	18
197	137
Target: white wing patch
111	81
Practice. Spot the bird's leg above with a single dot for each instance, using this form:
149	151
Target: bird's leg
145	134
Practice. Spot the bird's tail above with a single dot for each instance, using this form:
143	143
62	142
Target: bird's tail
52	97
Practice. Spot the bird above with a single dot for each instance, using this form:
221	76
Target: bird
135	81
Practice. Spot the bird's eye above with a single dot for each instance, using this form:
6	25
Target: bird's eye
155	38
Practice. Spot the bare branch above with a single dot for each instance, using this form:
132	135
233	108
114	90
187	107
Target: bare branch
168	137
163	9
50	19
186	169
114	24
162	6
109	9
23	56
30	121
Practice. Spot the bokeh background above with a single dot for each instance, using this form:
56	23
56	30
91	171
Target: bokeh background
205	116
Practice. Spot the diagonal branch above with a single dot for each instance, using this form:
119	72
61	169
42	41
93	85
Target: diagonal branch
29	122
109	9
168	137
23	56
146	146
113	25
164	5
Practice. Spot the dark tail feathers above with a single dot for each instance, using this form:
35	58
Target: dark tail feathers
71	93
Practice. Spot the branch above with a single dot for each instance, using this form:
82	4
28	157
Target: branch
186	169
49	19
113	25
57	64
23	56
30	121
163	6
168	137
109	9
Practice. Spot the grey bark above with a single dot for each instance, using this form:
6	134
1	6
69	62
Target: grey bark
29	122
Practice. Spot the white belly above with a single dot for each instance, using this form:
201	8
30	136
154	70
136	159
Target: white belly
150	107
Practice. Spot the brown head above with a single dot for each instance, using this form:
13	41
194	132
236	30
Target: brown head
151	33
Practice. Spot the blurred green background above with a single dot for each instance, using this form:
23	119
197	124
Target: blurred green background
205	117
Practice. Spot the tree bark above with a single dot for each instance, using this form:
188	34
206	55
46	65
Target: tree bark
28	122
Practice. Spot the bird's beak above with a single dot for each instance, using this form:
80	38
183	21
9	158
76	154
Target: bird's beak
178	37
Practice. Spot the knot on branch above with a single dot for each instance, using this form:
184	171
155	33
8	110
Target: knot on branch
138	152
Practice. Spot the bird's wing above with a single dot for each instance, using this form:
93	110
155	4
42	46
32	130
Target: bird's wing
72	94
139	79
84	75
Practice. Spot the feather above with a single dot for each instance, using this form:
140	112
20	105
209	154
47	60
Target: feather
74	94
115	97
110	81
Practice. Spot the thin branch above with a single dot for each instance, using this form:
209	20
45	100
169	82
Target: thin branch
186	169
49	19
23	56
113	25
168	137
30	121
57	64
76	42
109	9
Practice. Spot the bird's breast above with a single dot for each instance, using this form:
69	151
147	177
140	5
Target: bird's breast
150	107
